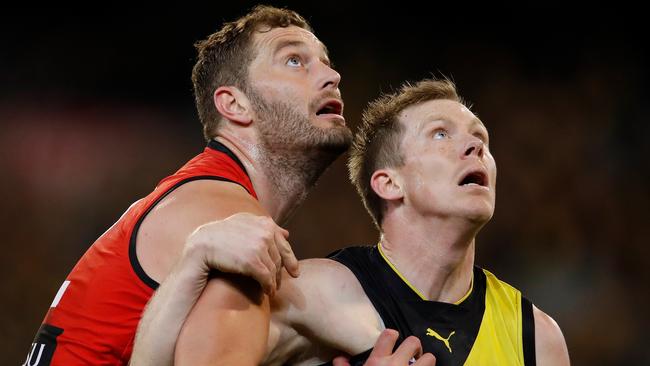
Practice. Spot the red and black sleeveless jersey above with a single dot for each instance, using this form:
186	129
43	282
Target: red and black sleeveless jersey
94	315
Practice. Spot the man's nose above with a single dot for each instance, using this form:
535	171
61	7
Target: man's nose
330	77
474	147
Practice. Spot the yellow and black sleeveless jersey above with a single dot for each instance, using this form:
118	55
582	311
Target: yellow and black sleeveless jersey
491	325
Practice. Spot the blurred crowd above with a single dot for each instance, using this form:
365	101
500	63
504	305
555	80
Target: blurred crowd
568	130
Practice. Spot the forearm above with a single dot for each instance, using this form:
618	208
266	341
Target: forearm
166	313
228	326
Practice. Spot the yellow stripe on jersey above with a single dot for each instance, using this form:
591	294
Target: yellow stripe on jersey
381	251
390	264
499	340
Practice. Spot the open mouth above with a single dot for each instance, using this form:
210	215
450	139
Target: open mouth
477	178
332	106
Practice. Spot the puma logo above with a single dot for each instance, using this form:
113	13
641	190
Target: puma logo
432	333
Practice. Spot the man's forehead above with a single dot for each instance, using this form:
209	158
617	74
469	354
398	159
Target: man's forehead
280	37
440	109
440	116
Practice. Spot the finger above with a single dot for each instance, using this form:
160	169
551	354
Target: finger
274	254
267	274
265	278
427	359
385	343
284	232
289	260
341	361
411	347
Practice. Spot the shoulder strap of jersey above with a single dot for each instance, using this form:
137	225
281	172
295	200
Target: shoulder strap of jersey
528	331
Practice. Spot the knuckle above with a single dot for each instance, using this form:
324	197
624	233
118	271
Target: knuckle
413	341
267	236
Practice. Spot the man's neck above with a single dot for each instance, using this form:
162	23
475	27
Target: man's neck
435	255
280	189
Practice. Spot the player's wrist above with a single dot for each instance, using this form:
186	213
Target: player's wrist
191	266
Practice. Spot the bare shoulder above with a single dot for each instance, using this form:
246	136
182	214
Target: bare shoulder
203	195
550	346
330	272
327	305
161	235
326	280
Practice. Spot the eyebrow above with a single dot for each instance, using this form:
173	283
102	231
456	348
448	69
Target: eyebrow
430	119
437	117
296	43
476	121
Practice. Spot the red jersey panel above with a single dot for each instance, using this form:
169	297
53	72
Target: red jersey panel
94	315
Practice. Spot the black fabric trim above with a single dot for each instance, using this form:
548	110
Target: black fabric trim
133	256
216	145
44	345
528	331
358	259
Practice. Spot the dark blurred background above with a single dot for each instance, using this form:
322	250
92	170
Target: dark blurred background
96	107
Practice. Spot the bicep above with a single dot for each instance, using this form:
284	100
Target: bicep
163	232
550	346
229	325
312	303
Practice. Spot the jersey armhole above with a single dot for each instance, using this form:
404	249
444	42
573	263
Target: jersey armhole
133	257
528	331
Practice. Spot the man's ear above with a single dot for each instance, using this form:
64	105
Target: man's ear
385	183
233	105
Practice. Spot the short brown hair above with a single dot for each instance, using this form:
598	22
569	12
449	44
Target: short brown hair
377	142
224	57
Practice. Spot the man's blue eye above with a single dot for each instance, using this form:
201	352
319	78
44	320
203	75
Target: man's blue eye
439	135
294	61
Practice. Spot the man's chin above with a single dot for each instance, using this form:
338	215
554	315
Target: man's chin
336	141
480	216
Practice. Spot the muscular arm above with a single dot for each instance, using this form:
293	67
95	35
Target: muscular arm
161	241
324	313
320	314
228	326
550	347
